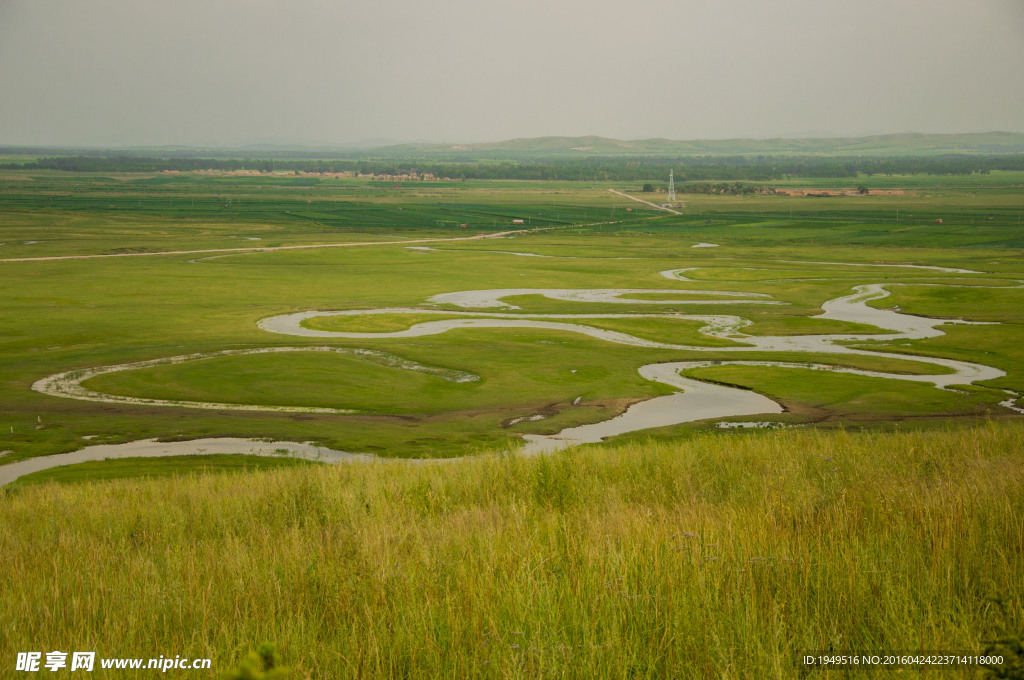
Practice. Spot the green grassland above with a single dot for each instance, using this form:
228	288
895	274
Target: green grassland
720	556
155	468
509	376
852	395
667	330
371	323
886	515
510	379
77	313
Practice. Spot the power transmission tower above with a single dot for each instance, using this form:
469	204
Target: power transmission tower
671	188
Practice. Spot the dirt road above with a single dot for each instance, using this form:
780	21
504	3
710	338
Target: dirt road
263	249
640	200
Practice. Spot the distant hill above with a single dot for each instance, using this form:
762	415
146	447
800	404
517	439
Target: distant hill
912	144
573	149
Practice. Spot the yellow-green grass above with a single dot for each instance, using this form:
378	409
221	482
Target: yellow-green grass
840	395
668	330
724	557
1001	303
1001	346
514	365
806	325
865	362
38	234
788	298
155	468
371	323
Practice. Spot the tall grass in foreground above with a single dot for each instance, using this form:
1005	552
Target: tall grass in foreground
722	556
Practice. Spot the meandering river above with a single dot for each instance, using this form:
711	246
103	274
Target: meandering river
695	400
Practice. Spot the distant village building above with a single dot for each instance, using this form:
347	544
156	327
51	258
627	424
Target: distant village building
517	221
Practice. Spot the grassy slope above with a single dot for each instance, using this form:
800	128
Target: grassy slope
719	557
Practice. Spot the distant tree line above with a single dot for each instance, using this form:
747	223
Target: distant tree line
734	188
687	169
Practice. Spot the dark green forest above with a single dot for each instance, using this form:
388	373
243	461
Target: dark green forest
692	169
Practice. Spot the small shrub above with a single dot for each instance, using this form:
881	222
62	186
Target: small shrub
1008	644
262	665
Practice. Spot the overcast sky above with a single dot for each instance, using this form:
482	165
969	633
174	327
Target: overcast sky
330	72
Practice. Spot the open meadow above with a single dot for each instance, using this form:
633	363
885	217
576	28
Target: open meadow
810	406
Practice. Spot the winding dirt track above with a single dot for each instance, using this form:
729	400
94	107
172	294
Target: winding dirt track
264	249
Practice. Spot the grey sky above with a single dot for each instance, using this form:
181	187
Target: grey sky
231	72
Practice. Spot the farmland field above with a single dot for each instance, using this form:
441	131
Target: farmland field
424	321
